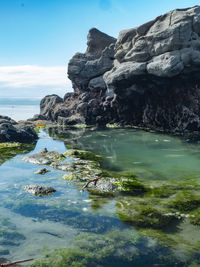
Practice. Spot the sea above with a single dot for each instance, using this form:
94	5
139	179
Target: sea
19	108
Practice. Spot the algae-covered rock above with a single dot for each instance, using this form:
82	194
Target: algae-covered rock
81	154
143	216
9	150
130	185
185	201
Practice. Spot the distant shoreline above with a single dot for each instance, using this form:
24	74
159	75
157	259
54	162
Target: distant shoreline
20	101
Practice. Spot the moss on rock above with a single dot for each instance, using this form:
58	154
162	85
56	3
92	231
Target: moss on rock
9	150
143	216
185	201
81	154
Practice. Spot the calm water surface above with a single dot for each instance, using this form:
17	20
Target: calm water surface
19	109
37	225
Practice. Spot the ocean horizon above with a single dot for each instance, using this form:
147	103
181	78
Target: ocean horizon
19	108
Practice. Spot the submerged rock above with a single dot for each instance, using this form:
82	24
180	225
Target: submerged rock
39	190
42	171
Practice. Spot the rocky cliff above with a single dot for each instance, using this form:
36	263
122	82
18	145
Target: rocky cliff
148	77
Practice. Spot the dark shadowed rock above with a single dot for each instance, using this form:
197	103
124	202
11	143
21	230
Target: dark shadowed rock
42	171
11	131
48	105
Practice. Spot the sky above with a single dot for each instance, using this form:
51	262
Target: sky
39	37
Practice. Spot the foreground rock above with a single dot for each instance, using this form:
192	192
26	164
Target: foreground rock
149	77
44	157
11	131
39	190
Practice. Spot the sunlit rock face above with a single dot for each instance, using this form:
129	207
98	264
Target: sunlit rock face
97	59
148	77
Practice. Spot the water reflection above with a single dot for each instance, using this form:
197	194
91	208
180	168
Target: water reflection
88	223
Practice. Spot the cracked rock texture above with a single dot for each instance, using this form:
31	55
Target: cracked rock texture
148	77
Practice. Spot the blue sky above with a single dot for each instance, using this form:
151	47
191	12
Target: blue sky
45	34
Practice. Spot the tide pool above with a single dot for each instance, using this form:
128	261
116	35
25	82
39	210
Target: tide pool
84	229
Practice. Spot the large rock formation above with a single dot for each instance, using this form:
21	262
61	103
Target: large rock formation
149	77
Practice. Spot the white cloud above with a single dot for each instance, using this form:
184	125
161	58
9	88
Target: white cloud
42	79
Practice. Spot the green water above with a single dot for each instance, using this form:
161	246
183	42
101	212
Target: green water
151	156
31	227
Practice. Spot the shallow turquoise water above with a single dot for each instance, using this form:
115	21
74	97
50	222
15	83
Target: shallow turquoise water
55	221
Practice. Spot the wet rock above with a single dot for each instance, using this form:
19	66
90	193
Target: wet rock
39	190
103	185
10	131
44	157
42	171
63	166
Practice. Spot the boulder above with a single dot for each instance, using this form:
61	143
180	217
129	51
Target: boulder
11	131
48	106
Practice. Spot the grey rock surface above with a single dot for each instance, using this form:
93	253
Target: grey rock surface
165	47
97	59
39	190
148	77
48	106
11	131
44	157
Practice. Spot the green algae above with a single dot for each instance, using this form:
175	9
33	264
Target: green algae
160	192
195	217
39	127
164	239
130	185
10	150
185	201
92	250
9	236
194	264
84	155
143	216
